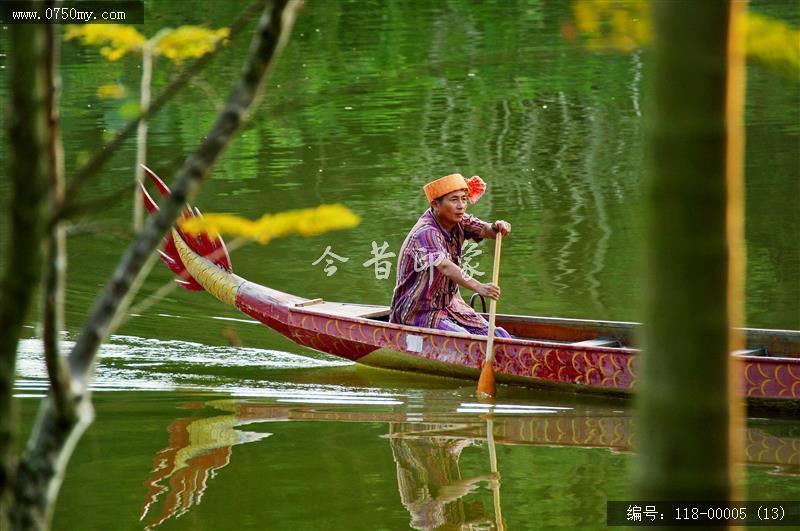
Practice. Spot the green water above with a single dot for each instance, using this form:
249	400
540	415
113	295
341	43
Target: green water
369	101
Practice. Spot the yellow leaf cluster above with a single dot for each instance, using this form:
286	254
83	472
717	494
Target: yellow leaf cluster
113	91
624	25
773	43
115	40
188	42
612	24
306	222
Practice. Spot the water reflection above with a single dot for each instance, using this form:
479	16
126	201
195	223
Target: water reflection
429	479
197	449
427	446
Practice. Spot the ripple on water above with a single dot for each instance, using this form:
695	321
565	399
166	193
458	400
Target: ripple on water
129	363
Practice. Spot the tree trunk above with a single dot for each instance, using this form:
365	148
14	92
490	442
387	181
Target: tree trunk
694	241
27	171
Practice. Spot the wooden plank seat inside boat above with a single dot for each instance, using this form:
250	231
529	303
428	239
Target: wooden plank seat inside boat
755	351
342	309
570	331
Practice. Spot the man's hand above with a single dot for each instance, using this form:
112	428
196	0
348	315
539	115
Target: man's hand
502	227
491	291
454	273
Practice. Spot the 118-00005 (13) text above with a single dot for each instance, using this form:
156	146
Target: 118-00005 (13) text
659	513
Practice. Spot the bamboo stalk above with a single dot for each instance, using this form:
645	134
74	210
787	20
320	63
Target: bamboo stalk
684	411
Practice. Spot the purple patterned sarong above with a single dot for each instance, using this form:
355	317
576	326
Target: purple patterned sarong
452	326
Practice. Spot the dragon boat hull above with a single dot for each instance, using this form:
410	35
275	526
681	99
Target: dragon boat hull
572	355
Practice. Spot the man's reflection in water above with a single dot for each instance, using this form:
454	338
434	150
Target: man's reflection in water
430	483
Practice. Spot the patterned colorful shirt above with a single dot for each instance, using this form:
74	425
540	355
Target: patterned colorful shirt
423	296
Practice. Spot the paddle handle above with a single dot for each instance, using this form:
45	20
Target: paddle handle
495	485
493	302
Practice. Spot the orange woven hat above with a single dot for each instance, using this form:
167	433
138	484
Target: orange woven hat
445	185
475	187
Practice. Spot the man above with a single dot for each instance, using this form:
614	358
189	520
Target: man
428	266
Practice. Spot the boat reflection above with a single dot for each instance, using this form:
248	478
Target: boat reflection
426	448
198	447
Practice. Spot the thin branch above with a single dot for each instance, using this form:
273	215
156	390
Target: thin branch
96	227
141	132
55	266
210	92
151	300
27	172
53	439
97	204
92	168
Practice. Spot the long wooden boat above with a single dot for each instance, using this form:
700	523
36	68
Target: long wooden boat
572	355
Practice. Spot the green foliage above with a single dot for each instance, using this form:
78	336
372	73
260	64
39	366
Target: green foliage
129	110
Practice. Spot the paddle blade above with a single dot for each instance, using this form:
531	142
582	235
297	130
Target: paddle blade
486	385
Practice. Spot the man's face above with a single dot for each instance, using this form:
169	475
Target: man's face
451	208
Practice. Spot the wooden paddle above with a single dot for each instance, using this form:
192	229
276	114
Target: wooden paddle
495	485
486	386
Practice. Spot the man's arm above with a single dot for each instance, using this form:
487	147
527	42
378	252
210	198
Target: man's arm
454	273
490	230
